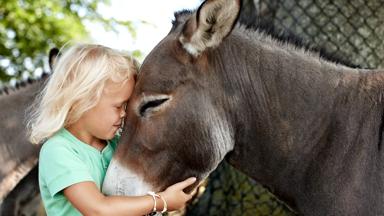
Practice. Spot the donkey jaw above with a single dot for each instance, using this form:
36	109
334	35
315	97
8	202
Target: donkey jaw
121	181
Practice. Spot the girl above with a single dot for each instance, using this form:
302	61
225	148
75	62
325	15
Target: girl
77	116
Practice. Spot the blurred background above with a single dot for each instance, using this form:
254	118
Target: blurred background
349	30
28	29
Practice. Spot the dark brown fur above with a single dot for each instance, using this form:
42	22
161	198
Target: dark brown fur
308	129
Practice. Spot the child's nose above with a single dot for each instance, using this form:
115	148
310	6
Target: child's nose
122	113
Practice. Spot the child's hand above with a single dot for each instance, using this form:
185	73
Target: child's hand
175	196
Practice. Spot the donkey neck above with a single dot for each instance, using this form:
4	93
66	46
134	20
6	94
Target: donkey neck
14	110
14	107
17	156
286	100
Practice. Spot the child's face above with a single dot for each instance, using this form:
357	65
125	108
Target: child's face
103	120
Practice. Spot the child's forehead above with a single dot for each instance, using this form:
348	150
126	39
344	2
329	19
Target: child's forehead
118	91
112	87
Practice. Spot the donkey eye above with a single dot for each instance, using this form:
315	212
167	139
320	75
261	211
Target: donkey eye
152	105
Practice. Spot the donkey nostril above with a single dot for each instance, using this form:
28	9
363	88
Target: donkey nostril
151	106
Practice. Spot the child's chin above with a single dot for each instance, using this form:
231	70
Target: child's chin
112	134
108	136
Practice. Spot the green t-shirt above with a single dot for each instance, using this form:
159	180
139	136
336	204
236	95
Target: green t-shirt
65	160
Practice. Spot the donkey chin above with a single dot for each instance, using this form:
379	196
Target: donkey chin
121	181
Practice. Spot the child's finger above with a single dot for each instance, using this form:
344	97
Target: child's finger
193	192
185	183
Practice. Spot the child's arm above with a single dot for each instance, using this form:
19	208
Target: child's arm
86	197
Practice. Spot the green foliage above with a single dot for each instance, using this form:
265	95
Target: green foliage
29	28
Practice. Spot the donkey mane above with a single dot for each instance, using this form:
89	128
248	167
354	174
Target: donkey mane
266	31
8	89
53	53
287	36
179	17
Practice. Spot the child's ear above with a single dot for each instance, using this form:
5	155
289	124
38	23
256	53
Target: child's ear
54	54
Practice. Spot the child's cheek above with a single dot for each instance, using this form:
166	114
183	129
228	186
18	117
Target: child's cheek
116	115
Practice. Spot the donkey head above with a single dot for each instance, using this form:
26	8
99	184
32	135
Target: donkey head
176	124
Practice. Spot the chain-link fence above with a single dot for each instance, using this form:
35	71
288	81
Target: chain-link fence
229	192
353	29
350	29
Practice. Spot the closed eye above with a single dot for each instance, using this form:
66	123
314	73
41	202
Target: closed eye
152	104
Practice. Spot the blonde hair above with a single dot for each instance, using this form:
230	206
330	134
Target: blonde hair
75	86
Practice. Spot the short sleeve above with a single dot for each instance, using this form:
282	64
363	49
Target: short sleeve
60	166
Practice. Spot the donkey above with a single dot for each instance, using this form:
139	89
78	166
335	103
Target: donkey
307	128
18	157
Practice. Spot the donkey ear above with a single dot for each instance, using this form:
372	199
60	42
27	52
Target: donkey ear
207	28
54	54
